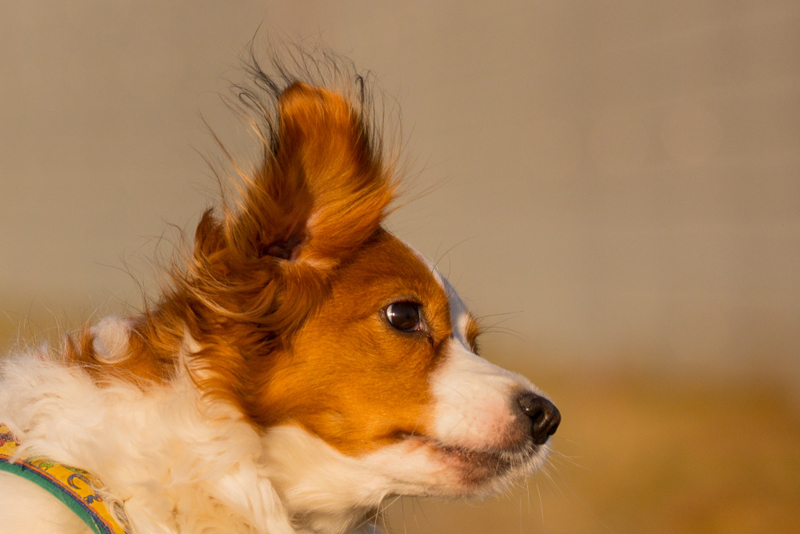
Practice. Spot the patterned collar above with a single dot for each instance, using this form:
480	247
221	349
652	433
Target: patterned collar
74	487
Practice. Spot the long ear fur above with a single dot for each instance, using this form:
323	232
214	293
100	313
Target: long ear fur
321	189
257	272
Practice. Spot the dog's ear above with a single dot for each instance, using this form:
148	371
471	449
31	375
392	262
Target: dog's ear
320	191
322	188
259	270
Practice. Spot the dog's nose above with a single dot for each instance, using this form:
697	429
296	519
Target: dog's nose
543	414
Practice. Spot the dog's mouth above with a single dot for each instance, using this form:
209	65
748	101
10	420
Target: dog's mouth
476	468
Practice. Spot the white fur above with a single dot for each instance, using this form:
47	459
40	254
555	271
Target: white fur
474	398
176	462
111	338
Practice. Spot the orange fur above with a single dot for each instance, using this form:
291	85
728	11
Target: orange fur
258	274
473	331
349	377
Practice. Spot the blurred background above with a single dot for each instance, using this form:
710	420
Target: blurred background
613	185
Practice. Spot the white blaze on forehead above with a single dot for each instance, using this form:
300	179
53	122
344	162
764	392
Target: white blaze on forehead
459	315
474	399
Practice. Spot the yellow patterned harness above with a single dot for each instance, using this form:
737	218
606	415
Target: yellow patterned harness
74	487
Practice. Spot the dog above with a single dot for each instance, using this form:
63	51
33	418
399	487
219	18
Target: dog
302	365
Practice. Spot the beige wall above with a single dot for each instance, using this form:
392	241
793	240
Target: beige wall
622	179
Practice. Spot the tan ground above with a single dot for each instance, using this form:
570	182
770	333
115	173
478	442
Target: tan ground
645	454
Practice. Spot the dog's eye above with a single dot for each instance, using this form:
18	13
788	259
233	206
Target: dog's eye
404	316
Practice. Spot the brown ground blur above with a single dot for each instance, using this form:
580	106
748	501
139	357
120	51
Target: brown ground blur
646	454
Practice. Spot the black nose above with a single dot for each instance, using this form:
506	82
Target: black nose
543	414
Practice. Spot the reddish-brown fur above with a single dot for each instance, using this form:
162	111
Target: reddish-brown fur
285	295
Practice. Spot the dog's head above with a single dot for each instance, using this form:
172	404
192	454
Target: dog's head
321	326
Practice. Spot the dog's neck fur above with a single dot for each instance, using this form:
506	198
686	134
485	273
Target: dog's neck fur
175	457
